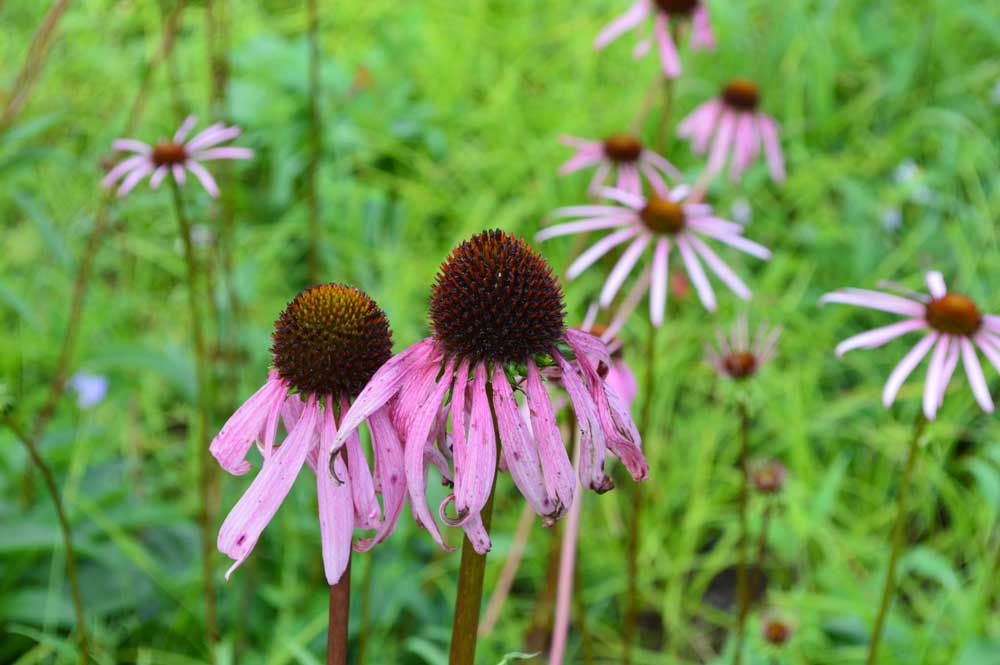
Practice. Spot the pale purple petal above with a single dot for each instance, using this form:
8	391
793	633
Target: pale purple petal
623	267
658	285
932	385
557	471
876	300
668	51
700	125
584	226
366	508
231	444
906	367
581	160
722	143
600	248
481	454
935	284
599	179
697	274
206	179
873	339
627	198
179	174
974	371
228	152
719	267
391	475
458	428
630	19
185	129
593	442
124	167
950	363
336	509
701	29
659	161
158	175
131	145
134	178
212	136
772	147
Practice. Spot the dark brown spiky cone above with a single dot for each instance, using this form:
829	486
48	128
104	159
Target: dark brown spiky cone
674	7
496	300
330	340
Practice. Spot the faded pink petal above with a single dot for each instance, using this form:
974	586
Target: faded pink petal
231	445
630	19
557	472
336	509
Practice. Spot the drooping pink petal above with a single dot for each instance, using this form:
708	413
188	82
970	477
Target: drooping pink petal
158	175
989	349
701	29
743	244
600	248
668	50
698	125
122	168
710	225
336	508
950	363
246	521
623	267
772	146
557	472
270	431
522	460
383	386
906	367
476	533
696	273
481	452
655	181
589	344
659	161
231	445
414	454
932	385
593	442
366	508
579	142
992	323
630	19
291	411
658	284
180	175
873	339
623	382
743	145
876	300
206	179
458	429
722	143
391	474
633	201
642	47
974	371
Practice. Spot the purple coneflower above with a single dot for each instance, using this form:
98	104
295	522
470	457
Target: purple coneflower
739	358
776	631
954	327
498	327
327	344
622	157
738	127
663	12
661	222
175	157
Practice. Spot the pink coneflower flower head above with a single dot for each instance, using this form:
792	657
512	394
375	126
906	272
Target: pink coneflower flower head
327	344
736	128
769	476
498	328
737	356
658	223
623	158
175	157
953	327
663	12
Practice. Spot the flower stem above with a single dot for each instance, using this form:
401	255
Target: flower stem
315	143
742	574
567	568
64	527
203	400
501	590
897	540
340	615
633	543
365	611
469	596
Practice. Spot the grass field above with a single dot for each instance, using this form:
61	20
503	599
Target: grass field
441	119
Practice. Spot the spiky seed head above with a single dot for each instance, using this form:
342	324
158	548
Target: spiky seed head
330	340
675	7
495	299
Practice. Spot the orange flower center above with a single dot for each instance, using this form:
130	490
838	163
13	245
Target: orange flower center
168	154
954	314
663	216
622	148
740	364
741	94
776	632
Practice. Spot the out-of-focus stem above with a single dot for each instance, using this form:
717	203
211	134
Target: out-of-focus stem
64	527
567	568
506	580
315	143
897	540
203	399
742	574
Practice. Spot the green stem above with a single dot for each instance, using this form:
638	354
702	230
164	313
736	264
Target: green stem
469	596
203	400
64	527
366	595
633	544
315	143
742	583
897	540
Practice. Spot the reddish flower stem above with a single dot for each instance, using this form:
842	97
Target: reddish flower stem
469	596
340	616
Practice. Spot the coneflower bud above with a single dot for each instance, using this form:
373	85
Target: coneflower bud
776	631
769	477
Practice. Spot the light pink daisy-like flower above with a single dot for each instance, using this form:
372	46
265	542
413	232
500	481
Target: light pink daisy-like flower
662	11
739	358
953	327
175	157
327	343
498	330
622	157
738	128
660	222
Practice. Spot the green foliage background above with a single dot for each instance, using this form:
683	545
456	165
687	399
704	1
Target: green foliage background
441	118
